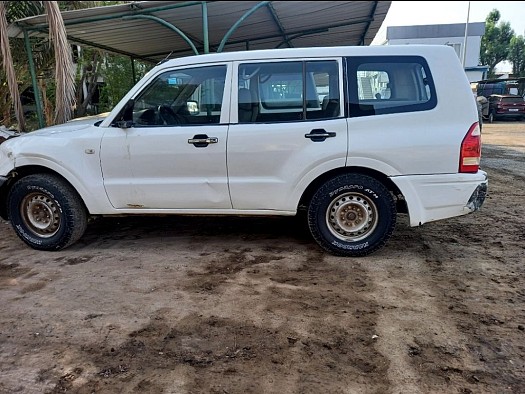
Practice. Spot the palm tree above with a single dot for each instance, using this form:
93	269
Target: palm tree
9	68
64	68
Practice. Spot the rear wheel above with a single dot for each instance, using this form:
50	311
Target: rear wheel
46	212
492	117
352	215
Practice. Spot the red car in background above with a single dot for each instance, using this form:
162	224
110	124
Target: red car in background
503	106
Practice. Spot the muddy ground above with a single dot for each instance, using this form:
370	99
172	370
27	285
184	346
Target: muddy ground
240	305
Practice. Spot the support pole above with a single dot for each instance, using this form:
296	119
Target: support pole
133	74
168	25
464	53
241	20
36	91
205	32
279	24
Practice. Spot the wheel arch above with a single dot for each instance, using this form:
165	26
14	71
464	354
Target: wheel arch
21	172
379	176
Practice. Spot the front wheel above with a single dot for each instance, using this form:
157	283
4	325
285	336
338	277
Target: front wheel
492	117
46	212
352	215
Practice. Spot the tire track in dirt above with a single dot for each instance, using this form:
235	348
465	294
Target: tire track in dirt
273	320
410	317
475	283
453	303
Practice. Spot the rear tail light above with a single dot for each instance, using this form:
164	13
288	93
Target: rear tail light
470	154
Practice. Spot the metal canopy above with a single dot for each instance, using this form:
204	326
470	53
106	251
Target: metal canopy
151	30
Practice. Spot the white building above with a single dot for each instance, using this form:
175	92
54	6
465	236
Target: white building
449	34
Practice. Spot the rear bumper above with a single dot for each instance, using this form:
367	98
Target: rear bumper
441	196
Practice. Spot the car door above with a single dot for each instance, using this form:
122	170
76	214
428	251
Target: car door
174	154
288	127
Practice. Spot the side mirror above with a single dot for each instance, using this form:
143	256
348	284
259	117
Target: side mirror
124	124
193	107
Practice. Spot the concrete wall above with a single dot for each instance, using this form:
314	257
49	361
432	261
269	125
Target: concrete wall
446	34
473	46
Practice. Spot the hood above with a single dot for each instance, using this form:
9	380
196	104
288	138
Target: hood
72	125
51	143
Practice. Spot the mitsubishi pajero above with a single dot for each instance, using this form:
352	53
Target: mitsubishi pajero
350	135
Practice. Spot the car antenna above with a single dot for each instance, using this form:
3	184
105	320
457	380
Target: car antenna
165	59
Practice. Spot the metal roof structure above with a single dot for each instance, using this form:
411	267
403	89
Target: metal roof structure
151	30
154	30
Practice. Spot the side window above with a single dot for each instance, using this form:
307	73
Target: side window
288	91
324	81
270	92
384	85
180	97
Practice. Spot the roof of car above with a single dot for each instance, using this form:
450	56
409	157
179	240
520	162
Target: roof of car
290	53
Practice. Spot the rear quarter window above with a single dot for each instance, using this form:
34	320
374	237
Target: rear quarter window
389	84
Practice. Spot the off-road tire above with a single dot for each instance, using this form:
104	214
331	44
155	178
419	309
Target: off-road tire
352	215
46	212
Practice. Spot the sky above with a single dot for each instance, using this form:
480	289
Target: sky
410	13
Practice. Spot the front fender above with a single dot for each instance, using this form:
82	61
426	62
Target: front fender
89	186
71	150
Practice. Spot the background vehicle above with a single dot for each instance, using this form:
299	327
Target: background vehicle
505	106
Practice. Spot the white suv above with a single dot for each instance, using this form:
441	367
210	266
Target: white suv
352	135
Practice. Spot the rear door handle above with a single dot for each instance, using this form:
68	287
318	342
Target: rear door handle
202	140
319	135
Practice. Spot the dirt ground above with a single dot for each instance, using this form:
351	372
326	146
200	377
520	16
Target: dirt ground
243	305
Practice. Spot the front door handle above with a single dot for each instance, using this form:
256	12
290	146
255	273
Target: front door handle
202	140
319	135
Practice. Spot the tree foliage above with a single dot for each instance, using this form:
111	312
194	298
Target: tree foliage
47	51
15	10
45	64
9	69
495	42
517	55
118	78
64	67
